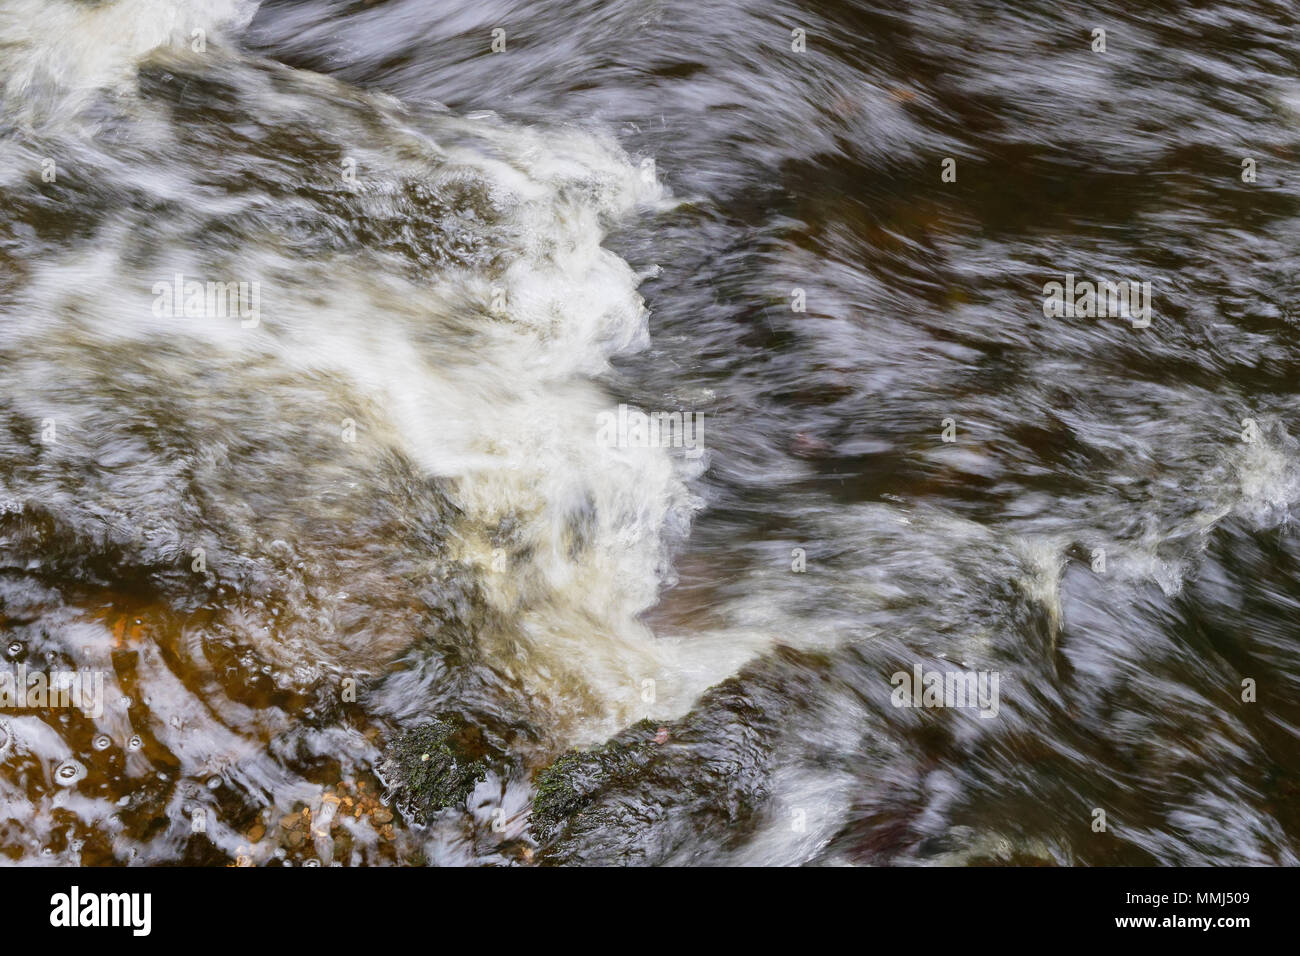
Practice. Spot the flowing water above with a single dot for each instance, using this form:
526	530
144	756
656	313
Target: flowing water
286	532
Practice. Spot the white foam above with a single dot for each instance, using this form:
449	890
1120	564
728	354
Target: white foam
56	54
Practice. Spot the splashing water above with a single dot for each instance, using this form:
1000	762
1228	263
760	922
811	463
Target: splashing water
308	314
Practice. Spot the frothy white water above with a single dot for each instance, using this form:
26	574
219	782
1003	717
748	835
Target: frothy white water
390	472
57	56
469	346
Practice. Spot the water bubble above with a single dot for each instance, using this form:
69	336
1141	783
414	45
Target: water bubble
214	783
15	648
102	742
312	862
135	743
69	773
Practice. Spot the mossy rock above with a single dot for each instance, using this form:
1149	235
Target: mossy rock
698	788
433	766
579	777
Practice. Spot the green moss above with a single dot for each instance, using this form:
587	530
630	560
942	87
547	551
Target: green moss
431	768
690	793
578	778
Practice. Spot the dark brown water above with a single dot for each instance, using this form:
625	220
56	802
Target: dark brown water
464	257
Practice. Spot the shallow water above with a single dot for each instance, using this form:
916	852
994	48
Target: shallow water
384	473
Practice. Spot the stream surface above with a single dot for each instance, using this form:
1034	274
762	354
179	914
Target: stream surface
364	486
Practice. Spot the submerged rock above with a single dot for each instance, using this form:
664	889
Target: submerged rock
433	767
657	794
578	778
